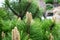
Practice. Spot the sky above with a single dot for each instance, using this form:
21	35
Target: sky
1	1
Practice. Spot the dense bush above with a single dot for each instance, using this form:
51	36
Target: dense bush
39	29
56	32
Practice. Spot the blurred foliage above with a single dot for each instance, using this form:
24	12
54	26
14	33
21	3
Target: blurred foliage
52	1
22	6
3	14
56	32
58	1
49	7
23	35
49	1
39	29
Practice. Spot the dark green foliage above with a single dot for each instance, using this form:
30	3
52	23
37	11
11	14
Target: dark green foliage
24	35
49	1
20	8
3	14
8	25
56	32
52	1
38	30
8	36
58	1
49	7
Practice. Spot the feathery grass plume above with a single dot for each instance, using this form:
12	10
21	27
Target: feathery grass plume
28	21
15	34
29	18
3	34
51	37
19	18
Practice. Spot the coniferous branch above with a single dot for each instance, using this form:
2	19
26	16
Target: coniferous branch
21	13
36	12
7	3
29	19
29	3
15	34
